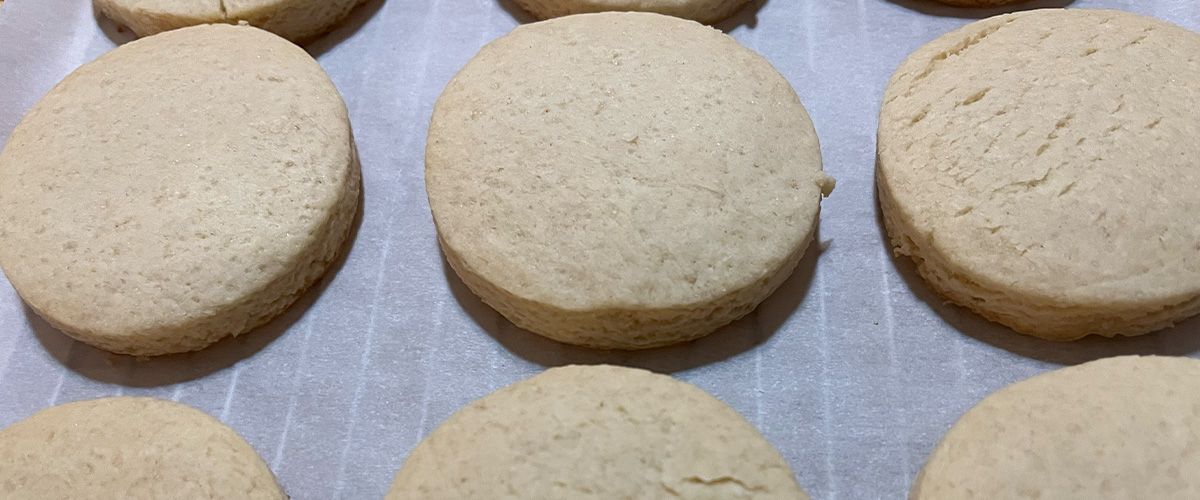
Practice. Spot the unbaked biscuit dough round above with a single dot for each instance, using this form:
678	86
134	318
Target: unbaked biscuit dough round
1041	168
1126	427
622	180
129	448
596	432
177	190
296	20
705	11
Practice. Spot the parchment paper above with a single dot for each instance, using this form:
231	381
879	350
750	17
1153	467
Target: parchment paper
854	369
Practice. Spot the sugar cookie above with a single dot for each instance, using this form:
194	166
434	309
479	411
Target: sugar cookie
596	432
622	180
1116	428
1041	168
129	448
179	189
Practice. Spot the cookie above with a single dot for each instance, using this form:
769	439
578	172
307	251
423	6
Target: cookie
622	180
596	432
182	188
1124	427
705	11
1041	169
129	448
296	20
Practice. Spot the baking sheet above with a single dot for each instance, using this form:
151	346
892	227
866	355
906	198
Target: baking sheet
853	369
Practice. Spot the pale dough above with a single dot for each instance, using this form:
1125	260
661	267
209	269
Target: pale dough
622	180
1042	168
596	432
1118	428
296	20
179	189
130	448
705	11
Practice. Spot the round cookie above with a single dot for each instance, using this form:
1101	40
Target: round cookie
596	432
129	448
622	180
1041	167
179	189
296	20
705	11
1124	427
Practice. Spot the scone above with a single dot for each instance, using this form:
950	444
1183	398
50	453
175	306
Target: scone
1042	168
296	20
622	180
182	188
596	432
135	448
705	11
1117	428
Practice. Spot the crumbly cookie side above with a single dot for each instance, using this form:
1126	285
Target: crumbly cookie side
297	20
625	328
1030	317
705	11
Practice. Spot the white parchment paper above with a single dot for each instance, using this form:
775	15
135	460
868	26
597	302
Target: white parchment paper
854	369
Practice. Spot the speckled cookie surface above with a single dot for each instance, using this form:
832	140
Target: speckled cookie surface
1126	427
135	448
1041	168
596	432
622	180
705	11
177	190
296	20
